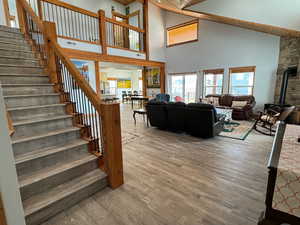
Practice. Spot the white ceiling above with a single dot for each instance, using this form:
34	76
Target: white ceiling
281	13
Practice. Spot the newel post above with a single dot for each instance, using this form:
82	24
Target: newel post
102	31
112	153
50	28
21	17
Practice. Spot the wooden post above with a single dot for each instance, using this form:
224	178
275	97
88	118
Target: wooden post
10	124
162	79
50	28
2	214
6	12
97	74
21	18
146	28
111	131
40	9
144	78
102	31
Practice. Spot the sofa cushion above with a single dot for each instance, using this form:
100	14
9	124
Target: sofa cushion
239	104
226	100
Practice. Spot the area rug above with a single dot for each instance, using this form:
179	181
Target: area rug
237	129
128	137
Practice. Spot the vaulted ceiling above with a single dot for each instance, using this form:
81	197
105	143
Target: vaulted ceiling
275	17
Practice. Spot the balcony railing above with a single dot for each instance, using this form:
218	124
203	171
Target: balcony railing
82	25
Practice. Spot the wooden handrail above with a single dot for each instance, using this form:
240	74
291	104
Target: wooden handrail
124	25
82	83
10	124
110	127
71	7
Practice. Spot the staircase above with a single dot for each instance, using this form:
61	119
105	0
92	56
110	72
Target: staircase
55	169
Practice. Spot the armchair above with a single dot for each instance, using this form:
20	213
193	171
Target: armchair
267	120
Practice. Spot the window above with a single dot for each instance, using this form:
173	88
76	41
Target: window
183	86
182	33
112	86
213	82
140	85
241	80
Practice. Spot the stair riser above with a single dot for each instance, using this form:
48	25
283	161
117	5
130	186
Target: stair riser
28	130
13	102
18	46
50	182
24	62
50	160
50	141
20	70
27	90
57	207
13	41
8	79
11	35
21	54
11	29
46	112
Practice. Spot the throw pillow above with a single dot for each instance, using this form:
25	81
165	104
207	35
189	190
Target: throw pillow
215	101
206	100
239	104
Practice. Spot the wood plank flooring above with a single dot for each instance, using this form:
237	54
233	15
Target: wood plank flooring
176	179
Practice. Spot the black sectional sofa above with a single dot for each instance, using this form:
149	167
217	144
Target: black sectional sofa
197	119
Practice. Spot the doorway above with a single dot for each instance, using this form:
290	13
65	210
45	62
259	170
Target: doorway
183	87
117	80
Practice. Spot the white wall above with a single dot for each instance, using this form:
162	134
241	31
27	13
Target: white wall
283	13
8	175
95	5
224	46
156	33
135	6
2	16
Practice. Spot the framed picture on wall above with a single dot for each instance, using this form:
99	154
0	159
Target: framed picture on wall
83	69
153	77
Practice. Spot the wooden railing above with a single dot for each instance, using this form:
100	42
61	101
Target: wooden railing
71	22
82	25
99	122
124	36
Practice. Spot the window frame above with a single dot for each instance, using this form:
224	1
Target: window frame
214	72
183	25
183	74
245	69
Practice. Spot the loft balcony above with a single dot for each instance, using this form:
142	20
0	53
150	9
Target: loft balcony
83	30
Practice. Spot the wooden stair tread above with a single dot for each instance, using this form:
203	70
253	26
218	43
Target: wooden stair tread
48	151
57	132
36	176
40	201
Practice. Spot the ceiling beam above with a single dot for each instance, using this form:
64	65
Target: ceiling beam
188	3
269	29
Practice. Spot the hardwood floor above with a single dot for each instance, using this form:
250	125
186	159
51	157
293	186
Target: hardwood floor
176	179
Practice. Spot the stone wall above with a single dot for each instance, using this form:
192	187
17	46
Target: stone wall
289	56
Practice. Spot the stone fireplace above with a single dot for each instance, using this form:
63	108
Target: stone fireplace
289	56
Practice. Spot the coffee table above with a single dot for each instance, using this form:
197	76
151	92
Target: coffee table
229	124
226	112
